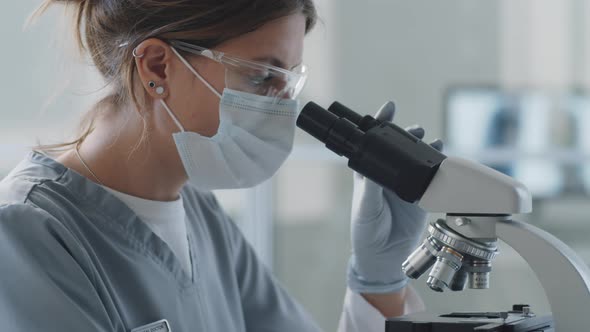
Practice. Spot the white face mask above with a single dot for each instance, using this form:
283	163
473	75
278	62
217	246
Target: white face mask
254	138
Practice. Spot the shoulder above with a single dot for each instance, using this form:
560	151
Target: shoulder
30	225
22	215
24	177
33	234
32	230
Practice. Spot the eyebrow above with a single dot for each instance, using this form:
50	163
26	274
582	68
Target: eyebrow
275	62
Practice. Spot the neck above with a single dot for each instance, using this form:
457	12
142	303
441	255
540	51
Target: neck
150	170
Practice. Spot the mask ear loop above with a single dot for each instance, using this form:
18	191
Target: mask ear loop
188	65
171	114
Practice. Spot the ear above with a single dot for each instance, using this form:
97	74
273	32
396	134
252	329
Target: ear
153	60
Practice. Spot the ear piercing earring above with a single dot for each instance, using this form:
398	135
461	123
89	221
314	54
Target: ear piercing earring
159	90
135	55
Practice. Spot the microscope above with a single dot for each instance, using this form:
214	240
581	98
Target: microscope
459	250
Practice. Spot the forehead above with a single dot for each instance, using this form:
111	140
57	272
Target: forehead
281	39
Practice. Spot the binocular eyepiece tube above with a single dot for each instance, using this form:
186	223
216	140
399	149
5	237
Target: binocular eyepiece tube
380	151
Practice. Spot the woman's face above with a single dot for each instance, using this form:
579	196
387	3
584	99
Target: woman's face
278	43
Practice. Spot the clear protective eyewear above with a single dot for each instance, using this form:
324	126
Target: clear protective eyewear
251	76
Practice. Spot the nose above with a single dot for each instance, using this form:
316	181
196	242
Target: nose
283	90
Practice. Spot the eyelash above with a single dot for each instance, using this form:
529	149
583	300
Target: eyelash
259	79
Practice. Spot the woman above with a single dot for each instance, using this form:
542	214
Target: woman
120	230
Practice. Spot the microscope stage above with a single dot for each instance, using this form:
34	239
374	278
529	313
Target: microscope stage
513	321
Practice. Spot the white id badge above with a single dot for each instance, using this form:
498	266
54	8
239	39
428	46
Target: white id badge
159	326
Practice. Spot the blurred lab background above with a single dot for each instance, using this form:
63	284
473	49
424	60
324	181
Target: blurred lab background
503	82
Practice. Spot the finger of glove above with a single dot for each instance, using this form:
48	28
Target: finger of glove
386	112
437	144
368	200
417	131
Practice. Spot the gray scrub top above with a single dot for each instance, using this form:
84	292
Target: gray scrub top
73	257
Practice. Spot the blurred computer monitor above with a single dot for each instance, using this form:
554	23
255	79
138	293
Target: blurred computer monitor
508	131
578	105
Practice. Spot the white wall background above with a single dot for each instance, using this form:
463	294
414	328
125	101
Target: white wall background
46	86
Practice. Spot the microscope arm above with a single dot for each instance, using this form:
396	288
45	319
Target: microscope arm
563	275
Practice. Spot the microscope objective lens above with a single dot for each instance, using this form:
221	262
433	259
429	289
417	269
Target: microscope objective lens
447	264
421	260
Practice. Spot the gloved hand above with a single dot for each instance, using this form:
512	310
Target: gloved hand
384	228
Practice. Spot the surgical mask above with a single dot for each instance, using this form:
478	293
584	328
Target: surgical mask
254	138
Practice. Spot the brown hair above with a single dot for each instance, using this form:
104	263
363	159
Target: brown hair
109	30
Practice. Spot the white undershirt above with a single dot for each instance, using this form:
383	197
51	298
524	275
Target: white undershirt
166	219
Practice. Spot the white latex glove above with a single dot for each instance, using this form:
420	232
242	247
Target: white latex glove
385	229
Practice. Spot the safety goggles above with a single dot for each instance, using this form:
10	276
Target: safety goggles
251	76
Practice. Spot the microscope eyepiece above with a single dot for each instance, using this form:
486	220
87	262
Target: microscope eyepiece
339	134
380	151
316	121
344	112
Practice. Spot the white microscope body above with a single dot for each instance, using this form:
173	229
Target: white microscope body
478	203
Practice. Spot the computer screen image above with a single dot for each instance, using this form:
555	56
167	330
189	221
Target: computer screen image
578	106
508	131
